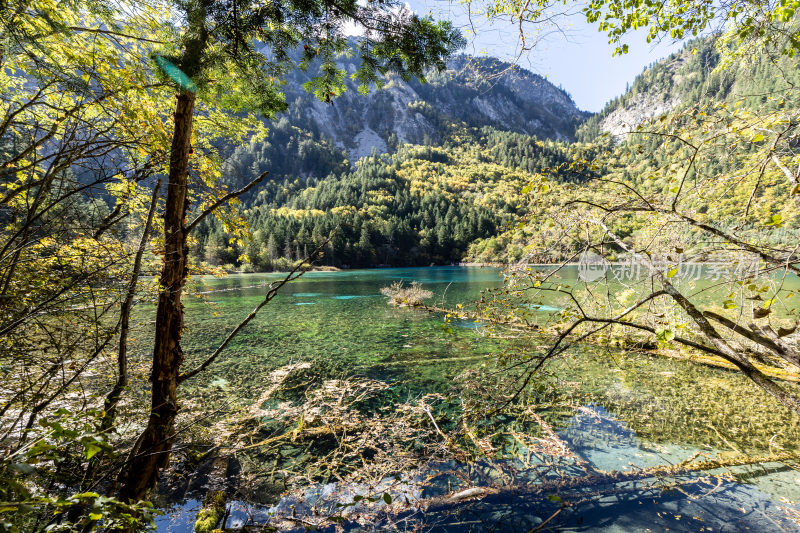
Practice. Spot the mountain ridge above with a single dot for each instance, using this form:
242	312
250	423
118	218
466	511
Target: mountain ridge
475	91
455	188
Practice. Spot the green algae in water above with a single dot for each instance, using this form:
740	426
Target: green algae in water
661	399
674	408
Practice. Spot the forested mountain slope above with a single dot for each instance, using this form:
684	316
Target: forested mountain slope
444	179
418	206
688	135
691	77
411	173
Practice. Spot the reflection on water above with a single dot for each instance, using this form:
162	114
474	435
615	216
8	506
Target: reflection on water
544	308
638	411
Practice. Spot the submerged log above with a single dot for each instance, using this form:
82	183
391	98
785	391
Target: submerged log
612	478
774	371
466	495
297	434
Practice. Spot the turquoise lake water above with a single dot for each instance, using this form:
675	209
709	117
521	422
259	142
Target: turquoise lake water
629	410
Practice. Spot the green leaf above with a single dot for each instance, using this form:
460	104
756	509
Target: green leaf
665	335
22	468
729	304
774	220
387	498
85	495
40	448
92	449
95	516
758	138
554	498
671	273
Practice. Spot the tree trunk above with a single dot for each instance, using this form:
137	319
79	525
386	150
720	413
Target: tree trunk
152	451
115	395
729	353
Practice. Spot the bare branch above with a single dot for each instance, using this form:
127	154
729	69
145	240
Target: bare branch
125	312
224	199
115	34
787	355
295	273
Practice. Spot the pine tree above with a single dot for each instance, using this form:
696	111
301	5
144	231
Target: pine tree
287	248
272	248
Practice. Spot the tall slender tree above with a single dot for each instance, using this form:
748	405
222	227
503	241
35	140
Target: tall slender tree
235	52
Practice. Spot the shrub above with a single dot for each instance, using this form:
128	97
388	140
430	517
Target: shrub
401	295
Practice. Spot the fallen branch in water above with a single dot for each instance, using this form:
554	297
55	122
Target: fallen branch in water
337	437
609	482
293	435
695	356
615	477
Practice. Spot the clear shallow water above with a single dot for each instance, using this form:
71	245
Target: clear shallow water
340	316
639	411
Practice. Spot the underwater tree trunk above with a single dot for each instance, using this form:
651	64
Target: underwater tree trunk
152	450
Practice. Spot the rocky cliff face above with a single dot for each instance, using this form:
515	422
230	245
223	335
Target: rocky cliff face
651	99
663	87
478	92
640	109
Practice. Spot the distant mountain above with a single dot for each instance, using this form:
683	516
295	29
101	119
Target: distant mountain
688	77
689	91
475	91
452	157
662	87
410	174
313	139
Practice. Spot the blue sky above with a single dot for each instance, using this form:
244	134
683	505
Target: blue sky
579	61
